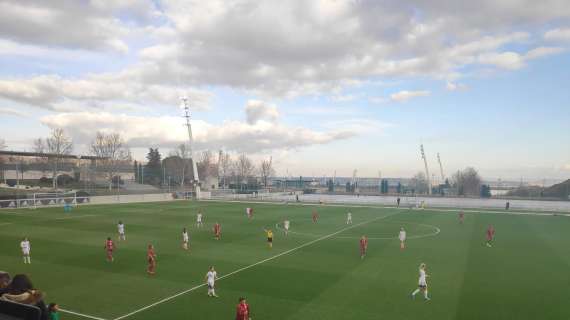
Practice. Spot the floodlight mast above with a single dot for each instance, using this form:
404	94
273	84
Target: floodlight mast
440	168
427	170
191	152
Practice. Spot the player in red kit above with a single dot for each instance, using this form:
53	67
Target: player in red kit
242	310
109	247
217	231
490	235
363	246
151	258
461	217
315	216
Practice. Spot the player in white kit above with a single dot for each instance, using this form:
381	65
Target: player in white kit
199	217
349	217
121	229
286	225
185	239
211	277
422	283
402	237
26	248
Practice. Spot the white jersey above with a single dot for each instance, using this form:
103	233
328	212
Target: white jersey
121	228
422	281
211	275
199	217
402	235
286	224
185	236
25	245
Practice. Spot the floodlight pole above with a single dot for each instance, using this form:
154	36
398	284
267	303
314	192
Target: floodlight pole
194	168
426	165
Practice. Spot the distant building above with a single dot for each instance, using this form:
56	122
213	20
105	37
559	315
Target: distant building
16	165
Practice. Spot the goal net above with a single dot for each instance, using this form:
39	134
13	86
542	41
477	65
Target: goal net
54	199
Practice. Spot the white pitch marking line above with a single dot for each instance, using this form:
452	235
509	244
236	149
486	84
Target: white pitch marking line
6	223
437	231
77	217
251	266
81	314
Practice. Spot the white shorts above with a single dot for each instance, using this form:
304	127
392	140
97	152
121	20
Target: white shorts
26	252
402	239
210	285
185	240
422	284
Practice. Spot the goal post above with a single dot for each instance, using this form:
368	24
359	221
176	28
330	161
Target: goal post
54	199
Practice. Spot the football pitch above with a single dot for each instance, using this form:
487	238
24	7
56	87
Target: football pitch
313	273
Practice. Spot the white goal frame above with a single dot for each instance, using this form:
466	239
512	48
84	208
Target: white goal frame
54	199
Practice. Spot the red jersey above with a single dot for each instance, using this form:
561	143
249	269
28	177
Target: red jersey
109	245
150	254
242	312
490	233
217	228
363	243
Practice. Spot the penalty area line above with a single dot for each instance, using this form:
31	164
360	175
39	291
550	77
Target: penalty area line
81	314
252	265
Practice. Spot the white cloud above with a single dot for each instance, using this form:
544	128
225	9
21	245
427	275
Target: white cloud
454	86
558	35
257	110
58	94
285	49
405	95
343	98
144	131
543	52
505	60
513	60
12	112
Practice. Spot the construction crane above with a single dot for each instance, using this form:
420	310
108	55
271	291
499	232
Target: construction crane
427	170
441	168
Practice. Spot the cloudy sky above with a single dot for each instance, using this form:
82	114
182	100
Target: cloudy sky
320	85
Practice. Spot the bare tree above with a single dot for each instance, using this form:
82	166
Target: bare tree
244	168
58	145
2	147
112	150
206	164
419	183
40	148
224	167
467	182
39	145
266	170
179	163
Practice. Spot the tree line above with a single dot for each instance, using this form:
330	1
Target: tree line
238	171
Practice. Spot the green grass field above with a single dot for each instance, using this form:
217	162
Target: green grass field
314	273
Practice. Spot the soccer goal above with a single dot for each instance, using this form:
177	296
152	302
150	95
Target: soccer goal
411	202
54	199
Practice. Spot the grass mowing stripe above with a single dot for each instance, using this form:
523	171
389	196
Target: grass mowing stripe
252	265
80	314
